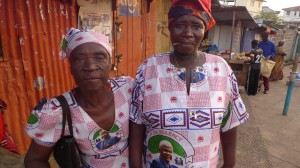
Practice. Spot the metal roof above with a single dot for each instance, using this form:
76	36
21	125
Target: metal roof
295	8
224	15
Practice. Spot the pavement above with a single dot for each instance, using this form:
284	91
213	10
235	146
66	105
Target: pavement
268	138
280	134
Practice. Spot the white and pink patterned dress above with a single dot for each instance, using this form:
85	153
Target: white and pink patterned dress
190	123
45	125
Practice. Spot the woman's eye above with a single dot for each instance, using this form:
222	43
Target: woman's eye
99	58
180	26
197	27
77	59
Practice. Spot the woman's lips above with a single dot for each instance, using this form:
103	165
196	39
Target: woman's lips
174	44
92	79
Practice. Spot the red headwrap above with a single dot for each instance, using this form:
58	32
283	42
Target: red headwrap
198	8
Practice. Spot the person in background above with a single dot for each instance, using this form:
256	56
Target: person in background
277	72
269	52
6	141
187	96
254	73
98	103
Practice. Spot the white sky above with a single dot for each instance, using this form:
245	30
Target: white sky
279	4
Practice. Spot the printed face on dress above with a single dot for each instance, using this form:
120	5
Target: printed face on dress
166	151
104	135
187	33
90	65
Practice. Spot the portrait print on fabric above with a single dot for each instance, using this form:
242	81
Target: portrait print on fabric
168	149
106	140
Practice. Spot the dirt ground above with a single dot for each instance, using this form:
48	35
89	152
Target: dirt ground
12	160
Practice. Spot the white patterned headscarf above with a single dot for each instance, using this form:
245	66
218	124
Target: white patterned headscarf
76	37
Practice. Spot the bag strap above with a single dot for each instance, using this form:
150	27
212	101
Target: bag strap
66	114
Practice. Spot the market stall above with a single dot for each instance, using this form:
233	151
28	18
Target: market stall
231	35
240	68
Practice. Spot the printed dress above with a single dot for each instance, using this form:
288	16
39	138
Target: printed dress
190	124
99	148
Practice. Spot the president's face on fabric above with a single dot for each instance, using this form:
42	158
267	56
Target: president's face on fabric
166	152
104	135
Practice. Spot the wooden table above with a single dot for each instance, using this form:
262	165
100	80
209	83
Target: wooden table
240	69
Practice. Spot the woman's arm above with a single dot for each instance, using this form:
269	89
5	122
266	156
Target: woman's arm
136	139
37	156
228	140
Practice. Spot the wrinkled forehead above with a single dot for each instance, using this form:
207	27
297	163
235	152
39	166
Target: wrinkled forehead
89	47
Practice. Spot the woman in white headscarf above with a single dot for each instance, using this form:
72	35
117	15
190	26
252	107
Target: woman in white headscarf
98	105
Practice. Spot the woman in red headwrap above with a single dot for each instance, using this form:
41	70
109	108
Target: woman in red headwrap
185	102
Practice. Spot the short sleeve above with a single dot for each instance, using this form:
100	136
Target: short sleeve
44	125
136	107
236	113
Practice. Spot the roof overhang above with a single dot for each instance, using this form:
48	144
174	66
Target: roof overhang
224	15
215	4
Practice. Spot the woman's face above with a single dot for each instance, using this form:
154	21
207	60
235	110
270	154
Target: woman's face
187	33
90	65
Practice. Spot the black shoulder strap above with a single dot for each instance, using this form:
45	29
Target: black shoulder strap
66	114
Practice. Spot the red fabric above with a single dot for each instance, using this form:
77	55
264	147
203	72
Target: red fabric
1	126
199	7
6	140
8	143
206	4
2	108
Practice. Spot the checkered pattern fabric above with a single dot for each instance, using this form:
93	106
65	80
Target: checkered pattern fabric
191	123
45	124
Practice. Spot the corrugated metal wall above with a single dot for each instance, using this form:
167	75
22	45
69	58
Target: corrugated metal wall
136	39
163	42
30	32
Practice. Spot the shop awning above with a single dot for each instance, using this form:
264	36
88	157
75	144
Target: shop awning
224	15
265	26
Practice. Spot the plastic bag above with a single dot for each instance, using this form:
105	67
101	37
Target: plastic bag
266	67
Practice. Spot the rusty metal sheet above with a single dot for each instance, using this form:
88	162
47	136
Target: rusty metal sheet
130	40
30	33
163	42
136	40
149	19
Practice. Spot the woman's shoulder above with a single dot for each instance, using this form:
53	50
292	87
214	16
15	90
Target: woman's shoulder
52	106
122	79
211	58
157	59
118	82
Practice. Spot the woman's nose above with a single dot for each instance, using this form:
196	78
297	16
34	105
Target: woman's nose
90	64
188	31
